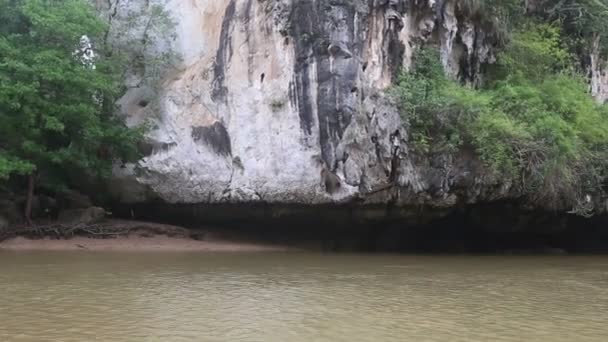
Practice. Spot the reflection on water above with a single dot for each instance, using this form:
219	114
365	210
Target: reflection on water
300	297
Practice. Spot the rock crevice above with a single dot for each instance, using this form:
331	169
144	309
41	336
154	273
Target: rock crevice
283	101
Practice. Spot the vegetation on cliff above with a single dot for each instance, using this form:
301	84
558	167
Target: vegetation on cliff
533	121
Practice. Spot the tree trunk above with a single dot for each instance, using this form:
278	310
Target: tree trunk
30	199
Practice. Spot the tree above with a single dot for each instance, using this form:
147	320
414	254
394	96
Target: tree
583	22
56	96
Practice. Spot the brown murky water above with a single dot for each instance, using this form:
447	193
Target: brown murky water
79	296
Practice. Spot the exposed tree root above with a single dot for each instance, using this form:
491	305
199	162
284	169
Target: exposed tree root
104	230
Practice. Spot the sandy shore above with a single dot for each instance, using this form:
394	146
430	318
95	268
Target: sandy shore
155	243
148	237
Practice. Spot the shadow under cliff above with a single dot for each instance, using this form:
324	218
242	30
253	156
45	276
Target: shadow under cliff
481	228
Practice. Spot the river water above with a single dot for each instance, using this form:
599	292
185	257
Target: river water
71	296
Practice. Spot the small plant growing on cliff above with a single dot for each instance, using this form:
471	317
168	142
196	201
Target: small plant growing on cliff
57	112
276	105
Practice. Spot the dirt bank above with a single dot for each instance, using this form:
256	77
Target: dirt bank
155	243
133	236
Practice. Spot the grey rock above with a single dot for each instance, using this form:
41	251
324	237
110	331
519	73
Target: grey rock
82	216
75	200
4	224
10	211
330	69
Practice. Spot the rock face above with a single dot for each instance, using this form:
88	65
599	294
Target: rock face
282	101
82	216
3	224
598	74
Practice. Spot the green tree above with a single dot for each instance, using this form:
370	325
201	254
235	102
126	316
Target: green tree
57	97
582	20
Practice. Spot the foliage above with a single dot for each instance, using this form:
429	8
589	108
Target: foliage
435	107
57	114
11	165
535	123
535	50
582	20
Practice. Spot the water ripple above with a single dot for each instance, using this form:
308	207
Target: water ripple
299	297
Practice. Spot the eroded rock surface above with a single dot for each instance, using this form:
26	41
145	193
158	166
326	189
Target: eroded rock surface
283	101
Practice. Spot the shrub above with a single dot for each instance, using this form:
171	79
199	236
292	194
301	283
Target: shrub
535	123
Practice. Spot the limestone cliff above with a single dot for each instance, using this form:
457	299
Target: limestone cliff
283	101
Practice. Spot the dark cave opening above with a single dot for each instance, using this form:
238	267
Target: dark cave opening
501	228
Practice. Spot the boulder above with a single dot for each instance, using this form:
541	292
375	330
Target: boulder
75	200
82	216
4	224
10	211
